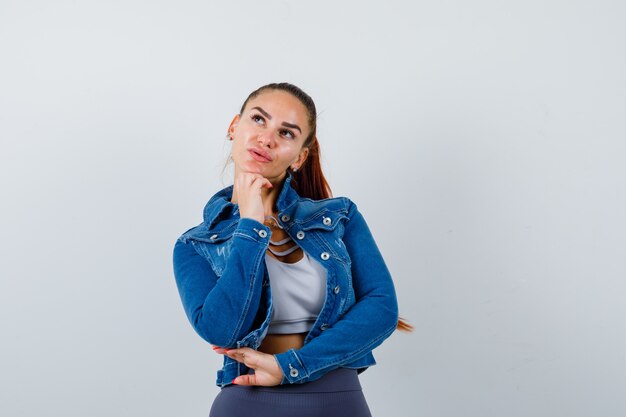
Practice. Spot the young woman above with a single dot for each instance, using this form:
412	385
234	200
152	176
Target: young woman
286	282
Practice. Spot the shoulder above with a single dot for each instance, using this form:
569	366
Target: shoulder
306	208
218	214
325	213
198	232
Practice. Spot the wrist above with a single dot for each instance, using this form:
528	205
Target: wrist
253	229
280	374
251	217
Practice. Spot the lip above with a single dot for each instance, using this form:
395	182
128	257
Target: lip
260	155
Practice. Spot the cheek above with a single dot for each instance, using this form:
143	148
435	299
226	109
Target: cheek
289	153
238	149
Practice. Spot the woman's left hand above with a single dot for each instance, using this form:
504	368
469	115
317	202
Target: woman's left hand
267	372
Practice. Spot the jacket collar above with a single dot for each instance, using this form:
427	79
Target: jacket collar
219	207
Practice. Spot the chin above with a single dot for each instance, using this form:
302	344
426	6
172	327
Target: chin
253	168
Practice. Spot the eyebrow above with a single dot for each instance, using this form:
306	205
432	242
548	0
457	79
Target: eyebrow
266	114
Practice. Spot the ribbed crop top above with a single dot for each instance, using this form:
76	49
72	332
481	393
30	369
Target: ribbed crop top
298	291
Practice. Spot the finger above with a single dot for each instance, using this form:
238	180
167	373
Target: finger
261	182
250	176
219	350
251	358
244	179
264	181
248	379
247	356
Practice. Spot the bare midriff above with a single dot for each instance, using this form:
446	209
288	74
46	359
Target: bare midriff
279	343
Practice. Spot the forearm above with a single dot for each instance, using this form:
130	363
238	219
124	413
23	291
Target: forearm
361	329
222	309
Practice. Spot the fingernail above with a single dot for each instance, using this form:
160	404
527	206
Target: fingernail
234	381
216	347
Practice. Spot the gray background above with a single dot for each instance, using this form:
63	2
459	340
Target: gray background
483	141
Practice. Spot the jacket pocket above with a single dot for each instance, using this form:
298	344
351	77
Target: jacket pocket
326	229
324	220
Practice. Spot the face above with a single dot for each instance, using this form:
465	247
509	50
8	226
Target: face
269	134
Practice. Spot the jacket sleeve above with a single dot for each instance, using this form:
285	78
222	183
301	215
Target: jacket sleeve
222	310
372	318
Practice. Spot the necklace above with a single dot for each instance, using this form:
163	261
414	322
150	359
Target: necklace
273	222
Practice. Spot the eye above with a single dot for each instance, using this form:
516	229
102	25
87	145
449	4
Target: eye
258	119
288	133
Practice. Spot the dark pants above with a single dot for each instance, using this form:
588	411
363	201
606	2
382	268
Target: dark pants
336	394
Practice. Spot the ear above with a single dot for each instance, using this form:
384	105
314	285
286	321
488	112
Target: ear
233	125
304	153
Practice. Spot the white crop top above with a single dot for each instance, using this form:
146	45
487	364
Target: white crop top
298	292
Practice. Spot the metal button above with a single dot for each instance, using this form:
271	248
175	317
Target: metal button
324	326
336	290
300	235
213	237
325	256
293	372
285	217
262	233
327	221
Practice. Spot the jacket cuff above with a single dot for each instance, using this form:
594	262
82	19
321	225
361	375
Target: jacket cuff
293	370
253	230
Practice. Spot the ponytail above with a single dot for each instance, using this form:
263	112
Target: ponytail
404	326
309	181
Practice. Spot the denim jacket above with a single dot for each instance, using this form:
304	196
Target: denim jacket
223	283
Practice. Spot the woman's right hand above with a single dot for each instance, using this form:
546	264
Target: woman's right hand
247	187
267	371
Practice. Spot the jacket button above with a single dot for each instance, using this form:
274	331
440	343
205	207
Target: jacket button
325	256
324	326
327	221
336	290
300	235
285	217
213	237
262	233
293	372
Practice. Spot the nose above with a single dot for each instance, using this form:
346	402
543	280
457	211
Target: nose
265	139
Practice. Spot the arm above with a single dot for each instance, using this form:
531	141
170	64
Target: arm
222	310
364	326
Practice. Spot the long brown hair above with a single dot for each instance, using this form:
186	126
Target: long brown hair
309	180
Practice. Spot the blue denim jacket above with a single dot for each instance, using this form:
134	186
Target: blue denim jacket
223	283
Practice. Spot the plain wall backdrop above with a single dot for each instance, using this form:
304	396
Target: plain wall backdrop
484	141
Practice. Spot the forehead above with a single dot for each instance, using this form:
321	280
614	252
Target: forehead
281	105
